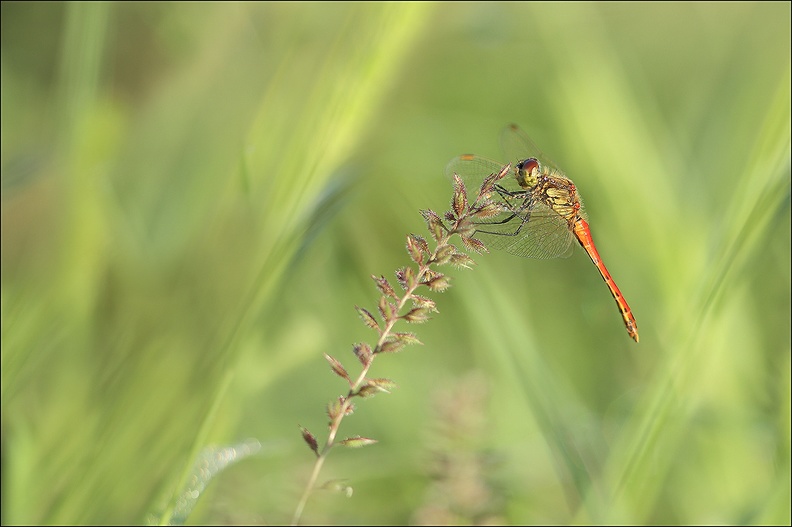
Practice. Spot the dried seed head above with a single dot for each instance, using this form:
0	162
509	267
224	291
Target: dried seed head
386	309
369	390
488	210
383	385
465	227
366	391
422	301
390	345
367	318
357	442
363	352
462	261
443	254
384	286
417	315
434	223
439	283
406	277
432	277
334	408
459	203
489	181
474	244
406	337
310	440
337	368
417	248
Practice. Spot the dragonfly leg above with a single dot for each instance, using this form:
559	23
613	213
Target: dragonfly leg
499	222
523	212
515	233
504	192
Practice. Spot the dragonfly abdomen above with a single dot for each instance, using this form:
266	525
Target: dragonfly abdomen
583	235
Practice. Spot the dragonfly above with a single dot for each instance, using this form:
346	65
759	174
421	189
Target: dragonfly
541	210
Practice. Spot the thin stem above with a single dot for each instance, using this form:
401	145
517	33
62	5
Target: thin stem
308	488
320	459
335	424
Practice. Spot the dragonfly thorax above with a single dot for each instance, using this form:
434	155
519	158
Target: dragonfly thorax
561	195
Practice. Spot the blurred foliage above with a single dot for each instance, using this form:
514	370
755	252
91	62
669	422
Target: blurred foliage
195	195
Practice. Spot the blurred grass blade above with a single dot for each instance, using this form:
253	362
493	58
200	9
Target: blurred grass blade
211	461
512	345
644	453
325	122
325	117
81	64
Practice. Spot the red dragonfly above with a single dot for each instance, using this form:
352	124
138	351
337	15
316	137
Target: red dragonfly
542	210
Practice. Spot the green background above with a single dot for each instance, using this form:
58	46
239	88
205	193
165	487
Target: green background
194	197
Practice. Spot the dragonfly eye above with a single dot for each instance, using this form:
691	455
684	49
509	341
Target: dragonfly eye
528	172
528	165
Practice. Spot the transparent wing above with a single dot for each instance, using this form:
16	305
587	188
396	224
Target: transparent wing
529	229
474	169
518	146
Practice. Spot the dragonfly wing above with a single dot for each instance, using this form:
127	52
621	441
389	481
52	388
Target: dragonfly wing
518	146
473	169
535	231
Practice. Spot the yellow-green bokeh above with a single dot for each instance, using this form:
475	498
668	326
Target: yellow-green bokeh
194	197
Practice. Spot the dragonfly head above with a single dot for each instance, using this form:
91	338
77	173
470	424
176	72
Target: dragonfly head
528	171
